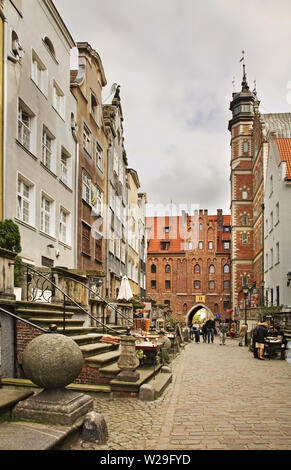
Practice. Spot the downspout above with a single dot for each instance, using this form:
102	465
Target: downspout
76	198
4	118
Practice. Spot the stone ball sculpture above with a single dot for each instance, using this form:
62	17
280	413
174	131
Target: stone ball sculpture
52	361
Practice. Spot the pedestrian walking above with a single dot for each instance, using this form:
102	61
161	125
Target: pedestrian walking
204	332
210	325
254	340
223	331
197	332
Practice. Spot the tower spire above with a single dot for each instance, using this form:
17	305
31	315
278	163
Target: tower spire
244	83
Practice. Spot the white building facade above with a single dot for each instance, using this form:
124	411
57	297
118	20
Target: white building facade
277	223
40	146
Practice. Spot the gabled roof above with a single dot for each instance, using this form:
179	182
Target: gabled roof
284	146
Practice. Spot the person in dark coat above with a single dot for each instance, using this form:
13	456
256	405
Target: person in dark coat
255	334
260	341
210	326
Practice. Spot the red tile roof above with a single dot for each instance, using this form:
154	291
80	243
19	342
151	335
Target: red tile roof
284	146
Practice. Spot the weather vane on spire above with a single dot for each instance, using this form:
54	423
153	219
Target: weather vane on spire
244	82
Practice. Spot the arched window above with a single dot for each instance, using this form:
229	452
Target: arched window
49	45
211	269
168	268
226	269
153	268
196	284
197	269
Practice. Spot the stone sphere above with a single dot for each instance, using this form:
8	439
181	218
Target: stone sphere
52	361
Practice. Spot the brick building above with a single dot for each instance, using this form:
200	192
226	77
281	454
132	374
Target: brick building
188	263
251	132
86	85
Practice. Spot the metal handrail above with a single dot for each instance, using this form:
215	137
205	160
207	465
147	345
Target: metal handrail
66	296
109	304
25	321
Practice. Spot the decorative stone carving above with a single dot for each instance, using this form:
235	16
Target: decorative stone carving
128	361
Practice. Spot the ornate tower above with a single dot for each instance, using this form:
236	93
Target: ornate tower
240	126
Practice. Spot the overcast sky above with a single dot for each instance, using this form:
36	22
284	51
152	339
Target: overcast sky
175	61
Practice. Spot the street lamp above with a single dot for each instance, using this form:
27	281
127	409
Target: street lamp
245	292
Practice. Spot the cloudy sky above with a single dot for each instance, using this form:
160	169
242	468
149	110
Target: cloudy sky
175	61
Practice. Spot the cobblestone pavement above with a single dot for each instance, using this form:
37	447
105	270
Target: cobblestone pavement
220	398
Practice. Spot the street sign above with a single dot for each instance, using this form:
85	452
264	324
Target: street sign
200	298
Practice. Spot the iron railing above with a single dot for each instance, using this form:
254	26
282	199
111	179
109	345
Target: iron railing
37	285
27	322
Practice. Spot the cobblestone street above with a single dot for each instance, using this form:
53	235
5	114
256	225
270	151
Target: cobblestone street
220	398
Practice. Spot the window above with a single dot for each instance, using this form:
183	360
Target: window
94	108
271	185
196	285
271	258
226	285
197	269
244	220
58	100
200	227
167	229
226	269
86	236
165	246
226	245
271	221
25	201
86	187
65	175
244	238
244	195
210	245
211	269
267	262
226	228
168	284
87	140
153	268
65	226
168	303
25	122
99	157
277	253
190	245
96	201
153	284
277	213
246	147
200	245
50	46
39	73
211	285
47	155
46	215
244	281
278	295
168	268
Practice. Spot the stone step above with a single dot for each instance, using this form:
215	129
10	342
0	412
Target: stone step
8	399
95	349
24	305
56	320
109	371
26	313
103	359
160	382
74	331
87	339
87	388
146	373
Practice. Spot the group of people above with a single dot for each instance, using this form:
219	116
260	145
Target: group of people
206	330
260	332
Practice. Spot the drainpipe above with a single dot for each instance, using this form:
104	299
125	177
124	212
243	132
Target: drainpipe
4	117
76	198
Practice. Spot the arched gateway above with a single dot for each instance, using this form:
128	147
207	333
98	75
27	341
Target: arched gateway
193	310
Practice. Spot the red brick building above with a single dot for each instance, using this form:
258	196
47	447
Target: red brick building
188	263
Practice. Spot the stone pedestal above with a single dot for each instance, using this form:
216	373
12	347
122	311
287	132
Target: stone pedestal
128	361
53	361
59	406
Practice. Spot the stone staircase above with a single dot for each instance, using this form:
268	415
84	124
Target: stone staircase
100	358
